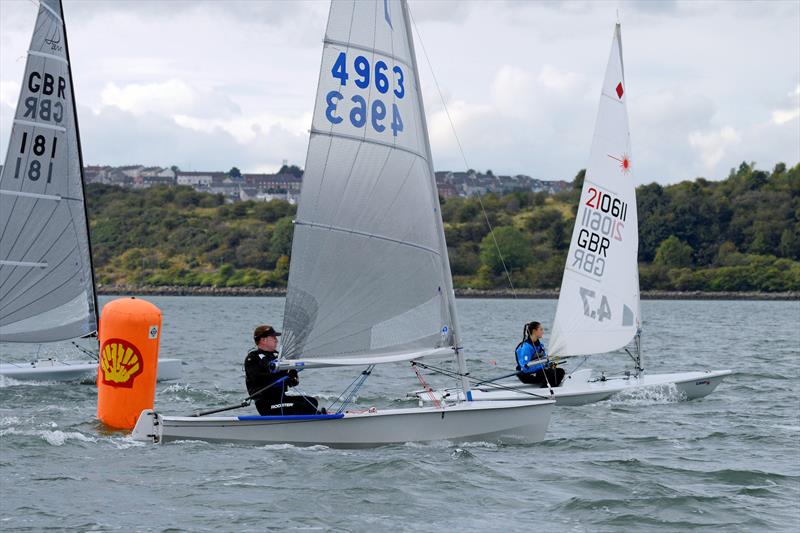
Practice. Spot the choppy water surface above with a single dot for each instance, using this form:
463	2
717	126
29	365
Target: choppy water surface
730	461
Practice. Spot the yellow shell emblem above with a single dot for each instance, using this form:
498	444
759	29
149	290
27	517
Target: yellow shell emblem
120	363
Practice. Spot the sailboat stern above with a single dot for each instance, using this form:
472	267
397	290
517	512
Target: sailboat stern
148	427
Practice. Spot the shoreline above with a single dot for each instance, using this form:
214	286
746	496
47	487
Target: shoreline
460	293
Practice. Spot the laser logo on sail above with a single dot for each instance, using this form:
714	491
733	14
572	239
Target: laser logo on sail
120	363
624	162
54	41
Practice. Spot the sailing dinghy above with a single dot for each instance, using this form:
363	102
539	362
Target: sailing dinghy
47	290
598	306
369	278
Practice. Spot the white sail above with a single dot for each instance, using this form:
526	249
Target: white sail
46	285
369	278
598	306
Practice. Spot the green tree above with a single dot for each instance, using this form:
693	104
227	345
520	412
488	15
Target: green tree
294	170
514	245
281	242
673	253
235	173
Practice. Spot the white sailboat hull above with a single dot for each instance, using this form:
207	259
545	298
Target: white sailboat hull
55	370
506	422
577	389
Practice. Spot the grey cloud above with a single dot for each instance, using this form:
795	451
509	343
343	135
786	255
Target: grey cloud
116	137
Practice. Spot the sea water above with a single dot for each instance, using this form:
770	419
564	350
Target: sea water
639	462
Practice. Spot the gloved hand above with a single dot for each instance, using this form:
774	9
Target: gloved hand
293	379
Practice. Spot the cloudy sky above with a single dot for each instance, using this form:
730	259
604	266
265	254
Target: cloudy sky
207	85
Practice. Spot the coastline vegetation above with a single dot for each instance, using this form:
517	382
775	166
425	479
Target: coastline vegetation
738	234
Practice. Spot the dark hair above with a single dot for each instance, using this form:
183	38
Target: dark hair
529	328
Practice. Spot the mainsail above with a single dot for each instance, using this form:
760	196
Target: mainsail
598	307
369	279
46	277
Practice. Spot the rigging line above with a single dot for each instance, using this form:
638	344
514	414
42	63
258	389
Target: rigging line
85	351
360	383
427	387
339	398
449	373
463	156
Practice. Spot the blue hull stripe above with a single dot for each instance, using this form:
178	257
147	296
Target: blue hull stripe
293	417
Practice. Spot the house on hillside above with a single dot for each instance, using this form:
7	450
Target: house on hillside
200	181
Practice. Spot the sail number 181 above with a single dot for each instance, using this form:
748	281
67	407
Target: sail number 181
360	112
40	145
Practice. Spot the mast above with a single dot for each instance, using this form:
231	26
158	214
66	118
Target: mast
445	260
80	167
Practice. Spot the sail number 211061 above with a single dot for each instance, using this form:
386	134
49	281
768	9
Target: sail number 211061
364	75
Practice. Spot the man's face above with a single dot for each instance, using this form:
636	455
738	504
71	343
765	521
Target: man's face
268	344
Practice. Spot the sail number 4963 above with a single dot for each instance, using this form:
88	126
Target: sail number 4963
360	112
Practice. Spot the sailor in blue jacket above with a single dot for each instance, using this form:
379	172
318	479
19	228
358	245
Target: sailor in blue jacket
533	365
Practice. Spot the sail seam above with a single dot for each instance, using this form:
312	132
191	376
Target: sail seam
367	50
315	131
62	129
581	273
365	234
613	98
48	8
603	187
47	56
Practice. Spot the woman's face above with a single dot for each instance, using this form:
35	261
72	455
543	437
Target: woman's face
538	333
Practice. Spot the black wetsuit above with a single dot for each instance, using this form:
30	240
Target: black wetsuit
274	400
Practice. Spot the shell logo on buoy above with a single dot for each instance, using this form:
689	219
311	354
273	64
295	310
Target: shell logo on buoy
120	363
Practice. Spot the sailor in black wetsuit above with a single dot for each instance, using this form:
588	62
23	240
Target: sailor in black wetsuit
258	375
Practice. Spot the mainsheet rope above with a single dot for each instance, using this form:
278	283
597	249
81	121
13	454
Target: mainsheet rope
461	150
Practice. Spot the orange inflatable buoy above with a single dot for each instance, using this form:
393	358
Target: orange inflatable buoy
126	378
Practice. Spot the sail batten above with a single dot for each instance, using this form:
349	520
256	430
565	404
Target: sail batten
353	46
366	276
43	166
48	56
598	306
366	234
369	141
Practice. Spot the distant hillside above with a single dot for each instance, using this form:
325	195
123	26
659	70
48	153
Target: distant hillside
739	234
